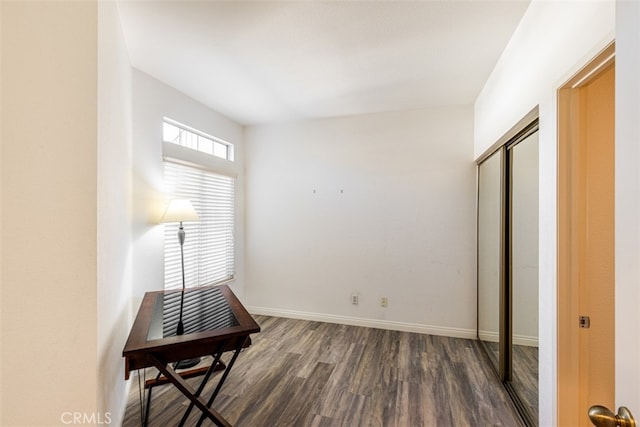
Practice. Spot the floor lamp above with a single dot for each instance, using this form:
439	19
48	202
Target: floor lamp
180	210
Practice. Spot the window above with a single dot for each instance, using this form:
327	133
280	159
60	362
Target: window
179	134
209	243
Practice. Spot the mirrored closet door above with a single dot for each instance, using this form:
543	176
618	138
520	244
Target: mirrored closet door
524	272
490	253
508	266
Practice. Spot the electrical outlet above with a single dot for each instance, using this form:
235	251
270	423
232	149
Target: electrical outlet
384	302
354	299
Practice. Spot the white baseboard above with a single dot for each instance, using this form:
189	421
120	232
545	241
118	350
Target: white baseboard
369	323
489	336
117	419
524	340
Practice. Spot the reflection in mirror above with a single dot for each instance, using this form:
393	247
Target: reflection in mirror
489	253
524	271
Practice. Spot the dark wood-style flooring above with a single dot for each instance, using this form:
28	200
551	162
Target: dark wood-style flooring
309	374
524	375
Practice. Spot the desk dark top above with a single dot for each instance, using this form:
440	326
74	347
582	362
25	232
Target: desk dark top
205	309
211	315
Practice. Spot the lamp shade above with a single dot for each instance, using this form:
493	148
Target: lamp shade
179	210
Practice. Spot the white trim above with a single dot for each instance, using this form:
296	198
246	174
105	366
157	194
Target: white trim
229	145
194	130
489	336
124	402
178	154
525	340
582	81
368	323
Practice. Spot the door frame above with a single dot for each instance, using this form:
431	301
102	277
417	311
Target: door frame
568	269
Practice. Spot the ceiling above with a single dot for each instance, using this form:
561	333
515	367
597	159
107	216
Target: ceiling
272	61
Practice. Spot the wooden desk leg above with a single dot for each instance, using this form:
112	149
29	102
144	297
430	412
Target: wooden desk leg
212	368
162	380
237	351
186	389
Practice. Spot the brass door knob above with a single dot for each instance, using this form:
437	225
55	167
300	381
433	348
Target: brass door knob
603	417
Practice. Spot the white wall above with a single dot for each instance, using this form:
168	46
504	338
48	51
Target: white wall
49	202
627	205
553	41
114	211
153	100
379	205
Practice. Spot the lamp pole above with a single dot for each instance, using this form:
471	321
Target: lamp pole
181	236
178	211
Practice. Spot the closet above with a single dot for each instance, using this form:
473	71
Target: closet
508	264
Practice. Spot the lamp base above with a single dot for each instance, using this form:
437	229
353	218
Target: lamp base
186	363
180	328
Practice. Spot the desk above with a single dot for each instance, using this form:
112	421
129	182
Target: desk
214	322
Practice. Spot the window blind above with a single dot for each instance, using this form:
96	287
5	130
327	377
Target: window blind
209	245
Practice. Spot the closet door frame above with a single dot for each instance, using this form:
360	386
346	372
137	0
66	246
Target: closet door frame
525	128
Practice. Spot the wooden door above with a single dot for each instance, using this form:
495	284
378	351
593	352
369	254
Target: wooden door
586	282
